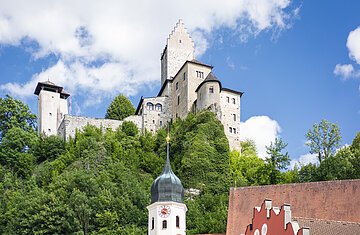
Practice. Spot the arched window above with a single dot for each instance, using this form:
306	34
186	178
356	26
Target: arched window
164	224
158	107
150	106
177	221
152	223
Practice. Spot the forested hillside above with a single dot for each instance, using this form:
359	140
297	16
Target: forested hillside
99	182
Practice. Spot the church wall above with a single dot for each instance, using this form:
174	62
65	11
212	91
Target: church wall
228	110
329	200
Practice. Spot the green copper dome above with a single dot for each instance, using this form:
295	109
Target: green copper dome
167	187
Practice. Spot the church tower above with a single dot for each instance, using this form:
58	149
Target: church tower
179	48
52	106
167	212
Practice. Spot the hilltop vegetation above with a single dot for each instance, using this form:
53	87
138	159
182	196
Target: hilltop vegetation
99	182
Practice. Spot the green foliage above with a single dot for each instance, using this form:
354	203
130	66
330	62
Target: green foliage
129	128
276	161
49	148
323	139
14	113
120	108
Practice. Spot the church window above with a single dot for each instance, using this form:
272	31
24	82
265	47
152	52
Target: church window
184	76
230	129
178	101
164	224
150	106
211	89
177	85
177	221
233	100
228	99
158	107
199	74
152	223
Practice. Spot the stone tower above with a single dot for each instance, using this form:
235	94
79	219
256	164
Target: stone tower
167	212
179	48
52	106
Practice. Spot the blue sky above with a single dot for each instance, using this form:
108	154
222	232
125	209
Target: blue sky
297	62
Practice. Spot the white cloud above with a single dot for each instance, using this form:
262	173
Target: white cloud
353	45
262	129
108	47
344	70
304	160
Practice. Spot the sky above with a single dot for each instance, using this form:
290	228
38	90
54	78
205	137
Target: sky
297	62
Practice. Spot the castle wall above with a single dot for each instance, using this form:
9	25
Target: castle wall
329	200
230	107
155	113
180	93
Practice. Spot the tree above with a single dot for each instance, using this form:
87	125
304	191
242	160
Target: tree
120	108
323	139
276	161
14	113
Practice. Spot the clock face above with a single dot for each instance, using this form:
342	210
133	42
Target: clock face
164	211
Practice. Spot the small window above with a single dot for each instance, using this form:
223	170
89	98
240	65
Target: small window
152	223
50	114
153	121
178	99
184	76
211	89
176	115
164	224
160	123
180	41
228	99
158	107
199	74
233	100
234	115
230	129
150	106
177	85
234	129
177	221
49	130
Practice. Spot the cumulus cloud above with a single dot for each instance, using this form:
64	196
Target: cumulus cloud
304	160
105	47
262	129
347	71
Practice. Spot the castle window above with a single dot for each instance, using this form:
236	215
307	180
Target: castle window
184	76
160	123
153	121
234	129
199	74
233	100
177	85
158	107
152	223
211	89
180	41
178	99
164	224
234	116
177	221
150	106
230	129
50	114
228	99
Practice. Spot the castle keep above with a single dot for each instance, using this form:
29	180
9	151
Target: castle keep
187	85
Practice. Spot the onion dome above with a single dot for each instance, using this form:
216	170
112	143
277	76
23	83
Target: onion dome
167	187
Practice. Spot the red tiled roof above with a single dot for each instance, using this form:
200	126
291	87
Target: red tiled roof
329	227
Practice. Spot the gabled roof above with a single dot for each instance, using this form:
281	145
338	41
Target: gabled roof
210	78
329	227
163	86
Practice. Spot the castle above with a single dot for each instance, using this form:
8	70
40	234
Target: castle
187	85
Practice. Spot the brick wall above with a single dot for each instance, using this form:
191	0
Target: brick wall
331	200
